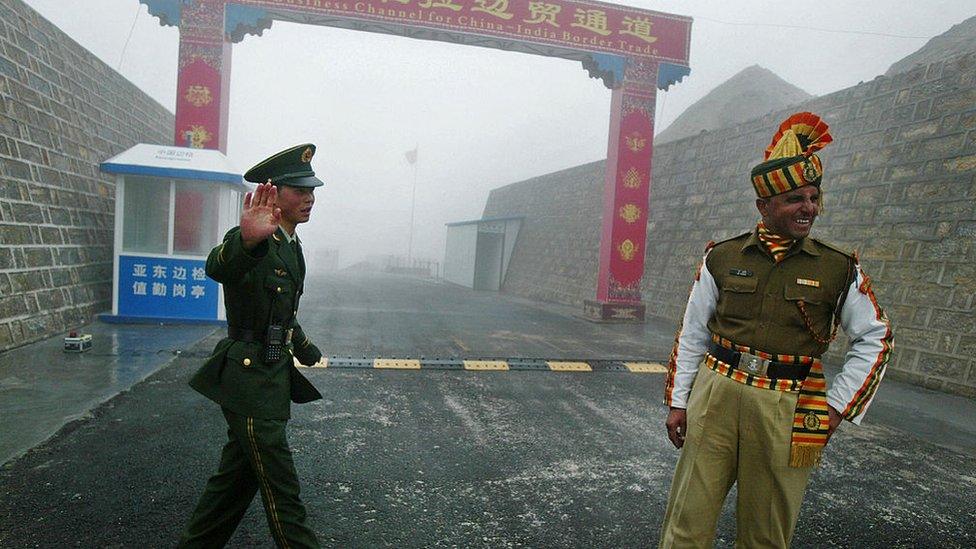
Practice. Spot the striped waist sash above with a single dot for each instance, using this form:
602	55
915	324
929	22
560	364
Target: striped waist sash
811	421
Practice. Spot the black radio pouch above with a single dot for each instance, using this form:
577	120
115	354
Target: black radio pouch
274	343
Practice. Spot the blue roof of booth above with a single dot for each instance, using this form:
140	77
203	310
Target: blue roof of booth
175	162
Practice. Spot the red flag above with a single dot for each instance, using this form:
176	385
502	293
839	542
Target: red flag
412	156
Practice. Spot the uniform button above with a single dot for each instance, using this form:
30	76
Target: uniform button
279	289
247	362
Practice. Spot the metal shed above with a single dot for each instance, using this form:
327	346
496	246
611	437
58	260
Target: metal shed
478	252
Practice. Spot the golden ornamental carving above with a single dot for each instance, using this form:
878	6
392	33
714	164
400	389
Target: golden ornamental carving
632	179
627	250
636	141
199	136
630	213
198	96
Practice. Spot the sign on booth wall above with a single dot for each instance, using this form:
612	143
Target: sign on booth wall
166	287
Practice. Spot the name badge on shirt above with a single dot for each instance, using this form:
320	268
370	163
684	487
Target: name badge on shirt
740	272
808	282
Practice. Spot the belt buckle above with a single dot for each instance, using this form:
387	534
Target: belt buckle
288	335
753	364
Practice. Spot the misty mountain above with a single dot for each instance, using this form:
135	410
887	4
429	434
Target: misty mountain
959	39
749	94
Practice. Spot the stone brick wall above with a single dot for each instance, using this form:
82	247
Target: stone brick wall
62	111
548	262
900	189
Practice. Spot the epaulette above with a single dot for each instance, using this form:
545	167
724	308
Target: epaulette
712	244
850	254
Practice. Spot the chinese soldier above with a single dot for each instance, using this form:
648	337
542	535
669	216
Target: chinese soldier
251	373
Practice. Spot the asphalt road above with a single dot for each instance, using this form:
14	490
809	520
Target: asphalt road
454	458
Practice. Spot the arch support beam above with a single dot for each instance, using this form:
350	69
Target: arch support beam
626	190
203	81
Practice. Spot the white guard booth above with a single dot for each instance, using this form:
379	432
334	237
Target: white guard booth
477	252
172	206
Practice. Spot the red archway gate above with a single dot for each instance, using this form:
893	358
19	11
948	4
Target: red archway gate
635	52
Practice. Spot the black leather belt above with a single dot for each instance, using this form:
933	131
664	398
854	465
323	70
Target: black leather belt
773	369
243	334
248	336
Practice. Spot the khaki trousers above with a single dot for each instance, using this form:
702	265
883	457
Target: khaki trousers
255	459
736	434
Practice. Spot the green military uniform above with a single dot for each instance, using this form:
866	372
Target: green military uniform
262	287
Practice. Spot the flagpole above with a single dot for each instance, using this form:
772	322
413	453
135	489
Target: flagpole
413	200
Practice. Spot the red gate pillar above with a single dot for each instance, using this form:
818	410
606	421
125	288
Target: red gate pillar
202	87
627	186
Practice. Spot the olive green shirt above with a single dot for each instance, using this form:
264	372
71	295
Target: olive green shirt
758	297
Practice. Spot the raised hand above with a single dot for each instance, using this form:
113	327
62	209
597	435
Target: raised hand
260	216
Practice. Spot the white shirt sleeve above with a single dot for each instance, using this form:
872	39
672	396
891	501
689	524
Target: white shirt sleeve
691	343
868	327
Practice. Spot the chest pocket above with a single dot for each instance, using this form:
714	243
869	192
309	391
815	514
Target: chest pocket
738	298
816	302
281	293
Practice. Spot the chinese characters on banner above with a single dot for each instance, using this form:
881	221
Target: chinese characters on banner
165	287
589	26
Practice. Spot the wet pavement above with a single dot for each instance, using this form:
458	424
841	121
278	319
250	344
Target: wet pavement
42	387
471	459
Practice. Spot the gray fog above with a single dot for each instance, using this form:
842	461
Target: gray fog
480	118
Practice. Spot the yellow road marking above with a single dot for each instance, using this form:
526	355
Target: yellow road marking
485	365
396	364
646	367
569	366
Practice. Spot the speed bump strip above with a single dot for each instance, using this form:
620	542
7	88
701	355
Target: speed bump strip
396	364
569	366
646	367
485	365
488	364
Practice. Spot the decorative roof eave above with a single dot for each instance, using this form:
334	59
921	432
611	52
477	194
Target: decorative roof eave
669	74
167	11
239	21
610	68
607	67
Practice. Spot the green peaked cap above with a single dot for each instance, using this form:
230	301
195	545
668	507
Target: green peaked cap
292	167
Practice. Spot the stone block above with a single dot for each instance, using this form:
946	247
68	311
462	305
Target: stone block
941	250
953	321
937	147
919	338
966	229
963	299
943	366
914	272
955	102
50	299
27	213
38	257
15	234
960	274
913	230
960	164
967	345
13	306
950	211
15	169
